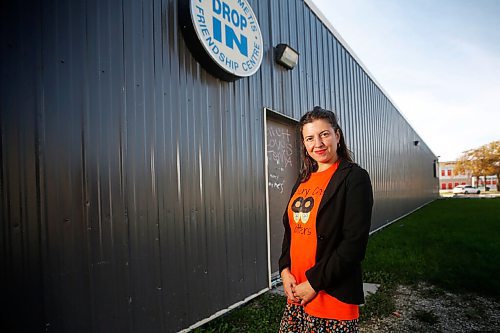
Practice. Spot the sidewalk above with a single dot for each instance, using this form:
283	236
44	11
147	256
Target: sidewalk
488	194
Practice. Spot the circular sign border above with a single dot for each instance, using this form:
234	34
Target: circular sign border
200	52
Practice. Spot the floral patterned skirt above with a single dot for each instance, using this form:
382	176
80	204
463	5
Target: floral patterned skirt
296	320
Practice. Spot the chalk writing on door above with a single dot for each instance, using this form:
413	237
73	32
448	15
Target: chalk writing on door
279	147
276	182
283	162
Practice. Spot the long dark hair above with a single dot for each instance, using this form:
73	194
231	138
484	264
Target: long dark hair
309	165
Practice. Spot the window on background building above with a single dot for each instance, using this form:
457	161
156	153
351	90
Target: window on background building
488	182
463	183
443	186
450	186
449	172
456	184
443	173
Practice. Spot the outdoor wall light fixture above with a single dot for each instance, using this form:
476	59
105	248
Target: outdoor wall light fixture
416	142
286	56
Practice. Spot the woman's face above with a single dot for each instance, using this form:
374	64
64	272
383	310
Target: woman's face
321	140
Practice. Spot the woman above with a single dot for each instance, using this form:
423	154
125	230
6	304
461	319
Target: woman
326	231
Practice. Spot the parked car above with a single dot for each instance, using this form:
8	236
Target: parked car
466	189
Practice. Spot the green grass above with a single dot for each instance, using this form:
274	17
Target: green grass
261	315
453	244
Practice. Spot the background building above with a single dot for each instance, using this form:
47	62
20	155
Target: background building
448	178
141	192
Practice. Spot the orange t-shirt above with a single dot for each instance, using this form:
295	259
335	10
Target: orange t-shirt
302	210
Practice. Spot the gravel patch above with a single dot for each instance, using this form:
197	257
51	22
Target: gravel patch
425	308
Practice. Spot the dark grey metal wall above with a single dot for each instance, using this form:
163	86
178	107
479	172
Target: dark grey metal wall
133	183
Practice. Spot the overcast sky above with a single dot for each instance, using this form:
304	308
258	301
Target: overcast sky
438	60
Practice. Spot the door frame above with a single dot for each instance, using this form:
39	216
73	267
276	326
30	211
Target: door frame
275	279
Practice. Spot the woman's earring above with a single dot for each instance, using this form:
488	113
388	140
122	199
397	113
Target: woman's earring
338	145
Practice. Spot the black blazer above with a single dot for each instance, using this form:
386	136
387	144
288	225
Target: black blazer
342	227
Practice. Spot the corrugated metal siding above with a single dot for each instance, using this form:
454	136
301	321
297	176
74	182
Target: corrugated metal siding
133	182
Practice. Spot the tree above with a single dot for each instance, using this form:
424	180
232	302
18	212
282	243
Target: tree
481	161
